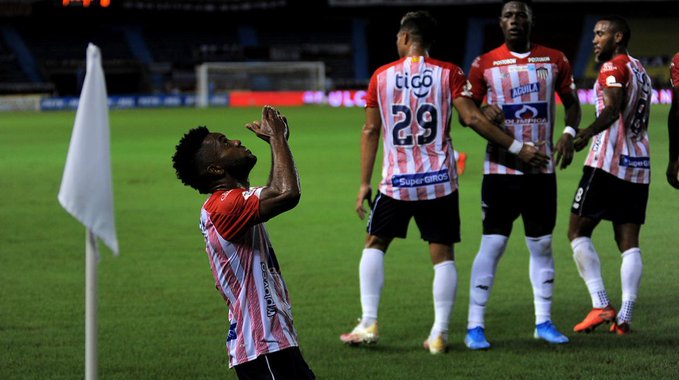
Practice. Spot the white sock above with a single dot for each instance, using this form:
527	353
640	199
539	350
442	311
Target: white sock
444	290
483	276
630	276
371	273
541	270
587	260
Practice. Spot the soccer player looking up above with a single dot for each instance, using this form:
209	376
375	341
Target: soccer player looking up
410	101
673	126
262	341
520	79
616	175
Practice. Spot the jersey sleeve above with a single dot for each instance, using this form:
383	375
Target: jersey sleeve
371	97
477	85
613	74
234	211
674	71
565	83
458	83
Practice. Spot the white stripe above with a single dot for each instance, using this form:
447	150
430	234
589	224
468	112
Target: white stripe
273	377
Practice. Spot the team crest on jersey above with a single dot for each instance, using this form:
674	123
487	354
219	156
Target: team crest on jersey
525	89
525	113
420	83
542	73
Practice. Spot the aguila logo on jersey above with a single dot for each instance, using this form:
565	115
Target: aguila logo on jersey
525	89
525	113
419	83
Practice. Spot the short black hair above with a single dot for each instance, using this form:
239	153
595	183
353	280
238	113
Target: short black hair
421	25
186	161
619	24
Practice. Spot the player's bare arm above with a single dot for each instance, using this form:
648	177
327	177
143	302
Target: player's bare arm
283	191
564	148
613	99
673	133
473	117
370	139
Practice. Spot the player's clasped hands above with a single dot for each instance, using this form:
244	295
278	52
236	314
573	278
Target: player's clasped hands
273	124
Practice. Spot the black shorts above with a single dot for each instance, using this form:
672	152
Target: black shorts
602	195
287	364
504	197
437	219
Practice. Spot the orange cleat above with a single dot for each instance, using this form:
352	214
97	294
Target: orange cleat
461	163
620	328
596	317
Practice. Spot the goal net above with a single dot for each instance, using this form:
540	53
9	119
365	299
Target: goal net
215	78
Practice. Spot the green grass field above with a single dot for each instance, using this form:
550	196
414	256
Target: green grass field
160	316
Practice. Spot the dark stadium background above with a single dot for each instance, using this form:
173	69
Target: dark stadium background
351	39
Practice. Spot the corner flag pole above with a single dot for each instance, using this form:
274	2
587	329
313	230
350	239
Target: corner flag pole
91	262
87	190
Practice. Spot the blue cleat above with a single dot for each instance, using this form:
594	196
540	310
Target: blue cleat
548	332
476	339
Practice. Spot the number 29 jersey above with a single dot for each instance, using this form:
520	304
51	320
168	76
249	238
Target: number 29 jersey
414	96
623	148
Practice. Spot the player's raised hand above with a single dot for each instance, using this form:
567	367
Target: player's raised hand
273	124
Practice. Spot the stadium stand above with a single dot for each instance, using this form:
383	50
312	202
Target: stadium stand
154	46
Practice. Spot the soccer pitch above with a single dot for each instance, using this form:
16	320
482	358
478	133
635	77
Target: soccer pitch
161	317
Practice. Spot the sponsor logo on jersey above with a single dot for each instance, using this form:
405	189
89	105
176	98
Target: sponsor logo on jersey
608	66
525	89
635	162
509	61
525	113
420	83
232	332
539	59
612	82
519	68
420	179
270	304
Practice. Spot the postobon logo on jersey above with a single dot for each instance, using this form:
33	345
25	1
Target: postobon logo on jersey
419	83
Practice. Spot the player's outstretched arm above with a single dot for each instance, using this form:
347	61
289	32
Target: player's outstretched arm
472	116
283	192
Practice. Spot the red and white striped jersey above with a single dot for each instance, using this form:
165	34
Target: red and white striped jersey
523	85
415	95
623	148
247	275
674	71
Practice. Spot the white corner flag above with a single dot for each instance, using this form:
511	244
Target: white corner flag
87	190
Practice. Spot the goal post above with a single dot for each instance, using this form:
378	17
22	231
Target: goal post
214	78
